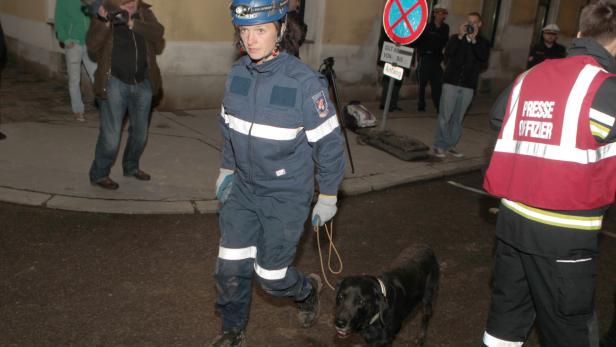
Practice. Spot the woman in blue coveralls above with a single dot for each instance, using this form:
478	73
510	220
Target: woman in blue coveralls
277	123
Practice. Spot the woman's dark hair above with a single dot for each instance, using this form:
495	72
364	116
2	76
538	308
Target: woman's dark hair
598	21
292	39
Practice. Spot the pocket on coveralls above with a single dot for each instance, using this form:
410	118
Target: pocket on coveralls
576	286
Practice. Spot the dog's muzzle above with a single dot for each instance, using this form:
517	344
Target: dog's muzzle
343	330
342	333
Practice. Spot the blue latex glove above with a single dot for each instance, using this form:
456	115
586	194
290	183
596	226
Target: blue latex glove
224	183
324	210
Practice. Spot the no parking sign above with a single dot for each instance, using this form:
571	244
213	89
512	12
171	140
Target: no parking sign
405	20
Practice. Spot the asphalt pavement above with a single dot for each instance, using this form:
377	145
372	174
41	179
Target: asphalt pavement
44	160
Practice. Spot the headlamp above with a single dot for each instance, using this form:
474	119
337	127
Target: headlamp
242	10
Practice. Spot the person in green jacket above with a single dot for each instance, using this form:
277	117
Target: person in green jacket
72	22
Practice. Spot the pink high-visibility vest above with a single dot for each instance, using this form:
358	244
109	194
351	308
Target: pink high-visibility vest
546	155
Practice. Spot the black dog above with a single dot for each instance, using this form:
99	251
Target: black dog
376	307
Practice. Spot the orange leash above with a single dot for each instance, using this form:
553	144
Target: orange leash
329	231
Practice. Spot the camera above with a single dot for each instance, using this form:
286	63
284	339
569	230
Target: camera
470	29
119	17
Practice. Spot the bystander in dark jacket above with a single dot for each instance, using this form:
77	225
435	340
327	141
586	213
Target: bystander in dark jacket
124	39
547	47
466	55
465	60
101	45
430	47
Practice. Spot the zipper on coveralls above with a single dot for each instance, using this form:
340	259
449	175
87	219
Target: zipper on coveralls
254	103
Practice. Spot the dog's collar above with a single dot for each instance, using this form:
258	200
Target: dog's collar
384	292
383	288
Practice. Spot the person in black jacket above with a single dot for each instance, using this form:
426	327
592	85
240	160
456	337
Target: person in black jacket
547	48
430	47
466	54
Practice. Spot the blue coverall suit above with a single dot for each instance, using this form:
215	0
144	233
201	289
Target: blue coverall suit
277	122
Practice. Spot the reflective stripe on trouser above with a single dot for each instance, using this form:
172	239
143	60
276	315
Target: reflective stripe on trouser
258	235
557	292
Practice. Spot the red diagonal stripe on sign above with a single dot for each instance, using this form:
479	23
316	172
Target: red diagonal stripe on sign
404	16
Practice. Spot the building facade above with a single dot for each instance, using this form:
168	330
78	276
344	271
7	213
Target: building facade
199	41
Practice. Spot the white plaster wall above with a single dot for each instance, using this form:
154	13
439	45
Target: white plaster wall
197	58
36	41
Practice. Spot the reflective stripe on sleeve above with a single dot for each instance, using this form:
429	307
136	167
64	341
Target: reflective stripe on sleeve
322	130
601	117
492	341
271	275
553	218
261	130
237	253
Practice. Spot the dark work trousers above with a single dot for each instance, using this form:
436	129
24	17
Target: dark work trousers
395	94
558	292
259	234
429	71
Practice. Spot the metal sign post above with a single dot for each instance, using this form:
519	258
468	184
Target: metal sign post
396	58
403	21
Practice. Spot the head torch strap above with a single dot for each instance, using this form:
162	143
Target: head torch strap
242	10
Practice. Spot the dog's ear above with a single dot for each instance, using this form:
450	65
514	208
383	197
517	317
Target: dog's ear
339	285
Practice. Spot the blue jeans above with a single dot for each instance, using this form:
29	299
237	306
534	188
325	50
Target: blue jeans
454	103
122	97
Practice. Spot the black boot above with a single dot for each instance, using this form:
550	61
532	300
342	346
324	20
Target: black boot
309	308
230	339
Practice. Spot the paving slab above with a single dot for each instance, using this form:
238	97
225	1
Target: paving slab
45	161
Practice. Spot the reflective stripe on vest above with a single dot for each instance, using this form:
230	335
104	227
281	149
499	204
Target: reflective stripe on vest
553	218
566	150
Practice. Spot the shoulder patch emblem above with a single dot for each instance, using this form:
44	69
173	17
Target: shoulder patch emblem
320	103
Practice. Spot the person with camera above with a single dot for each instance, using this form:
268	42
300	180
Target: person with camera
71	24
430	47
554	170
547	48
466	54
124	38
280	132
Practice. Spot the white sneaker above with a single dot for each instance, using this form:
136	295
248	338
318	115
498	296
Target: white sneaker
80	117
455	153
438	152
